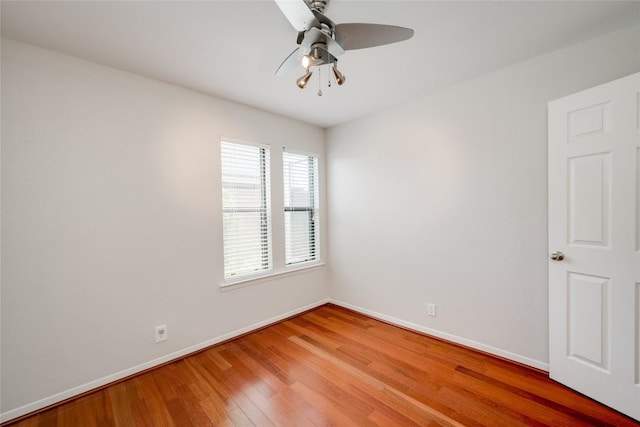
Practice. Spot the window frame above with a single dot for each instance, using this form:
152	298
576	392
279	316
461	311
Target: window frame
265	212
314	210
276	214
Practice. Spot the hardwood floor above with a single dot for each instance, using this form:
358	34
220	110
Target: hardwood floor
331	366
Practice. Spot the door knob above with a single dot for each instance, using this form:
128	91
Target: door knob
557	256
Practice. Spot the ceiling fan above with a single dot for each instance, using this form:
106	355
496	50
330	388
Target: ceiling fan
322	41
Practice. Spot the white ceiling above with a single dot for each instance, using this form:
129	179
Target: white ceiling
231	49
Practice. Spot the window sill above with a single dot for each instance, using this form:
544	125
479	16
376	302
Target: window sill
254	280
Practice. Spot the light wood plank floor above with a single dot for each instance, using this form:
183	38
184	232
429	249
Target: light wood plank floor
331	366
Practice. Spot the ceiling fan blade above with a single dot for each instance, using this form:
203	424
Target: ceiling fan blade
314	35
290	63
298	14
359	36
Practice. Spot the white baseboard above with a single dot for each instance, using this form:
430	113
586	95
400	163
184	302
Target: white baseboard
445	336
92	385
87	387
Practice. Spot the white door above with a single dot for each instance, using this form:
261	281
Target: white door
594	222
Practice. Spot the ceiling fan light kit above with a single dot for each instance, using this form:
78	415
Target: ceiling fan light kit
302	81
340	78
321	41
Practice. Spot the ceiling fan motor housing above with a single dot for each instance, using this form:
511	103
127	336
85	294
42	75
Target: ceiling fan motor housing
318	5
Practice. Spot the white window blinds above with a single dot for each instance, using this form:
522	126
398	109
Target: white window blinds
246	212
300	207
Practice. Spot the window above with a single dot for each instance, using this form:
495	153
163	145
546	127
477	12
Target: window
246	211
300	207
254	247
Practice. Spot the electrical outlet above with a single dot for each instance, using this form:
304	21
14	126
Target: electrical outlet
431	309
161	333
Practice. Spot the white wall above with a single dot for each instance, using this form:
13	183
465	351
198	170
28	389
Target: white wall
444	200
111	224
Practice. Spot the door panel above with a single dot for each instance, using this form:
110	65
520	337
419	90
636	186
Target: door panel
638	111
589	201
637	254
589	122
588	319
638	198
594	220
637	334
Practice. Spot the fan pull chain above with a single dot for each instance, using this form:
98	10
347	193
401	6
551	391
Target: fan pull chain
319	81
329	79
